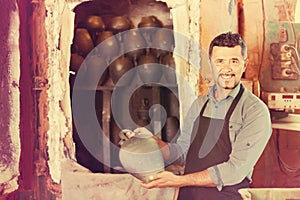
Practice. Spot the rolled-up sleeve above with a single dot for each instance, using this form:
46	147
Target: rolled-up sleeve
249	144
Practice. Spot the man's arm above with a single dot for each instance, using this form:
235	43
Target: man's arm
168	179
247	148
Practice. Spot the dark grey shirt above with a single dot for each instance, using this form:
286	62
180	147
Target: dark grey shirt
249	131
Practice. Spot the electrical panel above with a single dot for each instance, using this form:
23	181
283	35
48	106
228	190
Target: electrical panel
282	101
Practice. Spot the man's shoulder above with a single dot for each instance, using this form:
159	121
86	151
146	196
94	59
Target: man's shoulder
252	101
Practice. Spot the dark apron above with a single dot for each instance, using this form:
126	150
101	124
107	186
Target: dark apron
217	151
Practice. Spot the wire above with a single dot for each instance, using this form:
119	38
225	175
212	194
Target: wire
284	167
297	61
263	38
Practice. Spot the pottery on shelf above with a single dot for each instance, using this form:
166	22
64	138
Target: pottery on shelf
96	70
149	68
109	46
83	41
118	68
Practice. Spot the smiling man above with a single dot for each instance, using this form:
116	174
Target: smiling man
221	144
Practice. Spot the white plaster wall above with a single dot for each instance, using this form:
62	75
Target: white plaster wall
186	18
59	26
10	173
200	21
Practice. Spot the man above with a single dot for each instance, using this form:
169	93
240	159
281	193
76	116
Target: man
229	134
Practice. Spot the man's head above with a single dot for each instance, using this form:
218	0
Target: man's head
229	40
228	55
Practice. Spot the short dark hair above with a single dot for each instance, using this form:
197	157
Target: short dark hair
228	39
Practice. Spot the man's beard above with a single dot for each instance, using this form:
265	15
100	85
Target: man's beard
227	85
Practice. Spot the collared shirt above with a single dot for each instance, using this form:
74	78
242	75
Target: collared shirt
249	131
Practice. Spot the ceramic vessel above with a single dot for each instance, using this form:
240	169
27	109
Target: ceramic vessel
141	156
118	68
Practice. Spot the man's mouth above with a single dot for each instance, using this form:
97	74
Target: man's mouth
226	75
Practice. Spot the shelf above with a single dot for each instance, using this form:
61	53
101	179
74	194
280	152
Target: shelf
286	126
110	88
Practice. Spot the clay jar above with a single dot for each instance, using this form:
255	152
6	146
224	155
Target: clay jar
96	70
169	68
163	41
118	68
143	113
95	25
150	25
76	61
119	24
141	156
109	46
134	43
150	21
170	129
149	69
83	41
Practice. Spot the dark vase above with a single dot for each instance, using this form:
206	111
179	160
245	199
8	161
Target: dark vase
109	46
96	70
170	130
83	41
149	69
169	71
119	24
134	43
118	68
76	61
163	42
95	25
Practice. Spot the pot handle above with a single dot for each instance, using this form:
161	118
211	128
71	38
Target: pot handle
126	134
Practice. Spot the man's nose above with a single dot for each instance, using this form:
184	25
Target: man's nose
227	64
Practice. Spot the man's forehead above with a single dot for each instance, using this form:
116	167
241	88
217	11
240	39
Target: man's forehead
232	52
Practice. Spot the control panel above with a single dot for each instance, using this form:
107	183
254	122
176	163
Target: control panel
282	101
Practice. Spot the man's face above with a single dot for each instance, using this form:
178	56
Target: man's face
228	66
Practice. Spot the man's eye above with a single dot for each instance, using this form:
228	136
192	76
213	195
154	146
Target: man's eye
219	61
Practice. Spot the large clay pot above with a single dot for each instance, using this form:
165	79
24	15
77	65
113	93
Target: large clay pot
163	40
169	68
141	156
173	105
119	24
83	41
134	40
170	130
143	113
76	61
118	68
149	69
95	25
109	46
150	21
149	25
96	72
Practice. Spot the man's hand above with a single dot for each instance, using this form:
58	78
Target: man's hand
142	131
168	179
162	180
162	145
